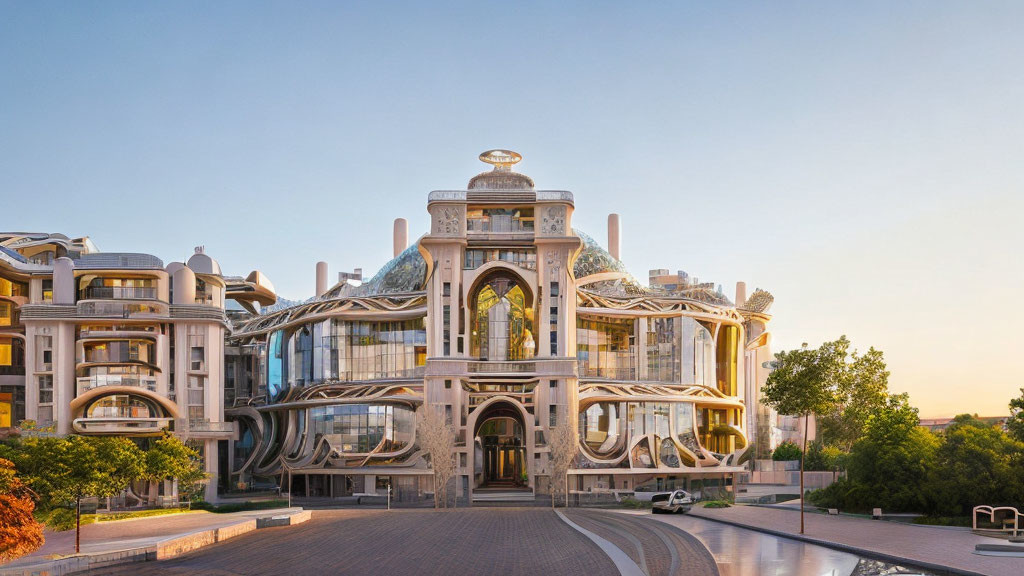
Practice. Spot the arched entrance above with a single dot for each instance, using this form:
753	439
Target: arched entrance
499	442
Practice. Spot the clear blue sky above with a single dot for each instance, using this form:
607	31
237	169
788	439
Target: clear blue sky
862	161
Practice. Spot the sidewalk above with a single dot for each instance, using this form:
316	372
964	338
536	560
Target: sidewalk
140	539
928	546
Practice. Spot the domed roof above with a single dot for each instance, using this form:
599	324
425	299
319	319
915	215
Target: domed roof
501	177
203	264
406	273
594	259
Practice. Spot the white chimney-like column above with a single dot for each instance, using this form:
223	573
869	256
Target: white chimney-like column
741	294
321	278
63	281
614	235
401	236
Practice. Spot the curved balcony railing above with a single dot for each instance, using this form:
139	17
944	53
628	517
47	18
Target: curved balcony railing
87	383
118	293
121	425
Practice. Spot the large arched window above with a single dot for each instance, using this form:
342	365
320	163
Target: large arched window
502	320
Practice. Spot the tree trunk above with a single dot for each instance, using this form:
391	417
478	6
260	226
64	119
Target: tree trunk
78	524
802	453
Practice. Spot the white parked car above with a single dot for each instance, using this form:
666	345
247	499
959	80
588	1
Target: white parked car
675	502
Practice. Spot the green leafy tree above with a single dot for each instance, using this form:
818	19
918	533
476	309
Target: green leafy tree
804	382
170	458
1015	423
786	451
822	458
977	464
862	385
65	470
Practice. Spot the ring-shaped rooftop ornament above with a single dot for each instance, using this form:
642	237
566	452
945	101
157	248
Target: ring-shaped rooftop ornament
501	158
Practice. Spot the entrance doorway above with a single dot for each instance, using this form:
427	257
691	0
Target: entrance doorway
500	449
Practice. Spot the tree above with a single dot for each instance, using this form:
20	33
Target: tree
1015	423
64	470
786	451
804	382
977	464
20	534
563	447
170	458
862	385
436	437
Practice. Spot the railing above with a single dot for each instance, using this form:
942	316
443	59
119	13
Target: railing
498	225
121	309
120	425
197	425
118	293
87	383
497	367
12	370
1008	520
416	372
587	370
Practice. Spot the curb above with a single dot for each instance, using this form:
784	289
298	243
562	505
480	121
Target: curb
907	562
162	550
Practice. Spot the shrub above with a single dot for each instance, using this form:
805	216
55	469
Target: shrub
20	534
717	504
61	519
786	451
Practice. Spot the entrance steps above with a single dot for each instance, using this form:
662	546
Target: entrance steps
517	496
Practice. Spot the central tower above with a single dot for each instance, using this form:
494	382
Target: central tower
501	360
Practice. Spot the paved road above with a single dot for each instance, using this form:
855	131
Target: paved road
658	549
527	541
933	545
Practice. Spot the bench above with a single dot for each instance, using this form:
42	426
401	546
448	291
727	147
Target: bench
876	513
833	512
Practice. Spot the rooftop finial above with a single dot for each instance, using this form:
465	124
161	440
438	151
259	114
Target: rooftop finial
501	159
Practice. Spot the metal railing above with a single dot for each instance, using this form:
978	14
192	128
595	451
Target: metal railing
203	425
118	293
498	225
587	370
87	383
487	367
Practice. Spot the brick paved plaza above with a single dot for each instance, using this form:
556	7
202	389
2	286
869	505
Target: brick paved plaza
470	541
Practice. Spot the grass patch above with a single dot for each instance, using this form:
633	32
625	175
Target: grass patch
716	504
110	517
962	521
240	506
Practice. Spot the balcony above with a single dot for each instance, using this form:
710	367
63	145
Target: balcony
99	309
609	372
127	426
87	383
498	367
118	293
205	428
499	227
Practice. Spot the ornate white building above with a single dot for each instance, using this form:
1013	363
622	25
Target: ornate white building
502	315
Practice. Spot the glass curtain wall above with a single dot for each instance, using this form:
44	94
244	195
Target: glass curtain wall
663	349
502	321
364	428
605	348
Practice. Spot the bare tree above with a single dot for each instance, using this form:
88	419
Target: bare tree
563	447
436	437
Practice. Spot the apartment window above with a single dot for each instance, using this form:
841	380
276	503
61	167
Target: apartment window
448	414
196	398
554	342
447	384
554	289
446	289
44	344
47	290
45	389
553	383
447	330
6	314
553	415
196	356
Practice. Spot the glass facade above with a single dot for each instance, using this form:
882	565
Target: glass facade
663	355
502	321
364	428
122	406
605	349
476	257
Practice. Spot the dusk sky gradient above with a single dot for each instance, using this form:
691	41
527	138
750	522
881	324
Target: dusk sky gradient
862	161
